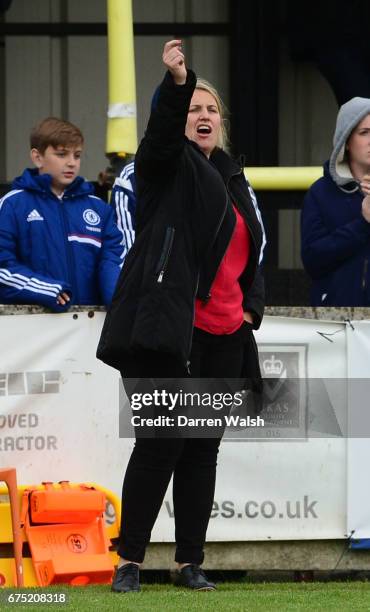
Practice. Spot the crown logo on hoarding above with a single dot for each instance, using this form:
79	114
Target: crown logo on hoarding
272	366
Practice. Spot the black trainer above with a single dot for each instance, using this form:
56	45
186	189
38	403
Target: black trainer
126	579
193	577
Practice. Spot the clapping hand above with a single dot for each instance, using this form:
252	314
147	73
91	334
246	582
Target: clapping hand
365	187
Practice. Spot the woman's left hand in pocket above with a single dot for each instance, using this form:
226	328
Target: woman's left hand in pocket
248	317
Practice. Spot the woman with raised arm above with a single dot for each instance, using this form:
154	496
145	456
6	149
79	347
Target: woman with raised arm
188	297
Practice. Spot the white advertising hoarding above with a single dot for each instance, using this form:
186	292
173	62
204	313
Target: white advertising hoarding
59	416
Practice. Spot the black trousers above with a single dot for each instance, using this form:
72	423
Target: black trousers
191	461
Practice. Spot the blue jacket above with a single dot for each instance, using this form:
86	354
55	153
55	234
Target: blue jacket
123	200
50	245
336	244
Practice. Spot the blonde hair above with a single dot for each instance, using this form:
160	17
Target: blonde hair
223	137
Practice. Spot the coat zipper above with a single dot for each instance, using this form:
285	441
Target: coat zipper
70	256
166	251
188	364
364	274
215	236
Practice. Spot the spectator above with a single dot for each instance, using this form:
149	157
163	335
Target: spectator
336	215
189	296
59	244
124	202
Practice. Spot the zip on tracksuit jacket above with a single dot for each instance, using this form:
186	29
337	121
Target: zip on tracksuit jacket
123	200
50	245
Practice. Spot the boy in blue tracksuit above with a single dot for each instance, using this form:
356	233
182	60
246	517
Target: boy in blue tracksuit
59	244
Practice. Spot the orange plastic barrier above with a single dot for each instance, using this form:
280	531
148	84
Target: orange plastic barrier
65	529
66	505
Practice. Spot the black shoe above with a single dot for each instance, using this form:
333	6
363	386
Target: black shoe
126	579
193	577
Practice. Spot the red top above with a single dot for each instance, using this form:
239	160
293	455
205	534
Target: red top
223	313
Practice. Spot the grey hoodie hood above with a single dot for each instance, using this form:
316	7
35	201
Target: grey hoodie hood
350	115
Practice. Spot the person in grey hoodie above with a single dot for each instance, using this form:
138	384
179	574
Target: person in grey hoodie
335	223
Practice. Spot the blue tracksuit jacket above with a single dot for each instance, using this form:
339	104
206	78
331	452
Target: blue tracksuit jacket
49	245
